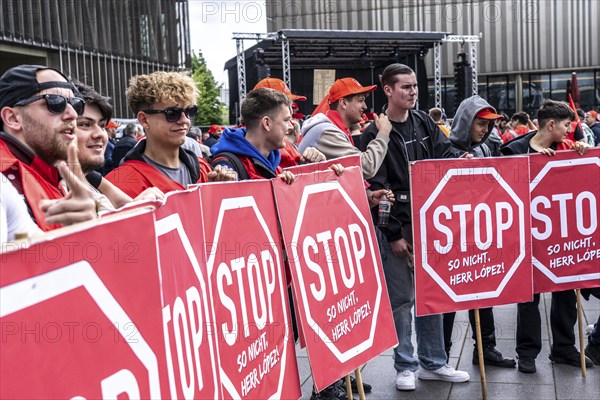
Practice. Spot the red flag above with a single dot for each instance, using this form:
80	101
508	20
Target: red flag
573	107
575	93
322	107
577	123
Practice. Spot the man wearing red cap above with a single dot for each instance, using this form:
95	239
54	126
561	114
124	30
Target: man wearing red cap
111	130
214	134
329	132
472	126
593	121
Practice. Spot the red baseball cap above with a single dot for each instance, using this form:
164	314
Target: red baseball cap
112	124
215	128
593	114
488	113
280	86
346	87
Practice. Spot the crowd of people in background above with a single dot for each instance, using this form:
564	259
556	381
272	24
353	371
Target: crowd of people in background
64	160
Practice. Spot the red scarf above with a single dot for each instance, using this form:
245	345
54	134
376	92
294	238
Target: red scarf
337	120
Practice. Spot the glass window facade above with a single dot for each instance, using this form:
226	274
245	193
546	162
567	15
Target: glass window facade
499	91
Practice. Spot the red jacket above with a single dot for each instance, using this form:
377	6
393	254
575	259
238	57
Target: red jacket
252	167
257	171
289	155
135	175
34	179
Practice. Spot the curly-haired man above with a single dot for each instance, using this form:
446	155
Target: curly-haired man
165	106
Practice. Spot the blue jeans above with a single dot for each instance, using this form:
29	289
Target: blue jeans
399	278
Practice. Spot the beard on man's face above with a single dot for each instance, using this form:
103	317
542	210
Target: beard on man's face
45	142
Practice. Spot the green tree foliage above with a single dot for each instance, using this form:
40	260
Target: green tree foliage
210	107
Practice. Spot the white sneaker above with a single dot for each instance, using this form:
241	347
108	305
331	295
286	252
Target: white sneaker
405	380
445	373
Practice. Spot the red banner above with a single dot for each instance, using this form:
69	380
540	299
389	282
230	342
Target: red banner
336	271
79	315
565	193
346	162
471	233
247	284
191	354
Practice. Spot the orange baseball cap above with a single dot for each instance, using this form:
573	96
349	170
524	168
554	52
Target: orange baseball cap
593	114
280	86
488	113
346	87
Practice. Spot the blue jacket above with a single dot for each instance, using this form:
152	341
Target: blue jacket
235	142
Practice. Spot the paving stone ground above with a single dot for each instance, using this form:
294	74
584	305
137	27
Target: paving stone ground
551	381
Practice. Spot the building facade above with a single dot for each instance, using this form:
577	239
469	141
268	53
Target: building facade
102	43
527	51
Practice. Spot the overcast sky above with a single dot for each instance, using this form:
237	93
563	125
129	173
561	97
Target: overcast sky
212	24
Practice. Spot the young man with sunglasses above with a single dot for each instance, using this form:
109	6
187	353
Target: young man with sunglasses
39	109
165	106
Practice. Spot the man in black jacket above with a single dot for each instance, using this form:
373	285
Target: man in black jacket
414	137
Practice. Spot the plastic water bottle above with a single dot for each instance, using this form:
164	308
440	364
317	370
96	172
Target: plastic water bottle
383	217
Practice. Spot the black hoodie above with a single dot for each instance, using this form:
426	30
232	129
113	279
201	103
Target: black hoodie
430	143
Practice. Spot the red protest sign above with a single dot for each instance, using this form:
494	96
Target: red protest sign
471	233
565	194
336	270
346	162
247	285
80	315
191	354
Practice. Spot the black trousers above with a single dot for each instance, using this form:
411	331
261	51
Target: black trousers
486	320
563	315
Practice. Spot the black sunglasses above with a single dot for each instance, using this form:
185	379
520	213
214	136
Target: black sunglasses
173	114
55	103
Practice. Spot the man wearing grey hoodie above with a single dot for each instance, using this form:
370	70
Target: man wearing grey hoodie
471	128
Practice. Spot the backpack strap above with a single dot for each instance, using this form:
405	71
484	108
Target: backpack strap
233	160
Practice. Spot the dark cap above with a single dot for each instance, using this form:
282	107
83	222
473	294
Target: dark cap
20	83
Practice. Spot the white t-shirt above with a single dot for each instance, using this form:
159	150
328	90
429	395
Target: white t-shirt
14	217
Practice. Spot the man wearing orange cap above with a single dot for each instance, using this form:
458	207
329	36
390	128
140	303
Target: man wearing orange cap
111	130
329	131
593	121
473	124
280	86
290	154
